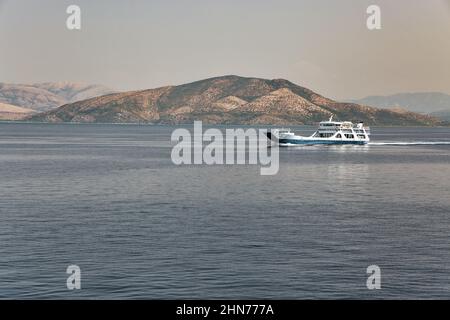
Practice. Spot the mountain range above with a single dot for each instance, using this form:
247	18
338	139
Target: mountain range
47	96
226	100
433	103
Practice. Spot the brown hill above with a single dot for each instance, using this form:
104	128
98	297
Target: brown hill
10	112
228	100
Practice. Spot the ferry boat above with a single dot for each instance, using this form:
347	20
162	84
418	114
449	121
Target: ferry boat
329	132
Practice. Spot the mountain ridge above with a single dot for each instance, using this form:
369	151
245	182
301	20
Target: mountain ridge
11	112
48	95
227	99
421	102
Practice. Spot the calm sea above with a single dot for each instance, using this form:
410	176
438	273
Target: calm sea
108	199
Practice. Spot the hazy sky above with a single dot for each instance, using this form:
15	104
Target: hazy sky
320	44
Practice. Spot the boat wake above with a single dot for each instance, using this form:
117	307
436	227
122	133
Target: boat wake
410	143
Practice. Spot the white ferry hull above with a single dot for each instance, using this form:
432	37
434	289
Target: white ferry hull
329	133
294	142
299	140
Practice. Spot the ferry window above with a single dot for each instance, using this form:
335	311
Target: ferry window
339	136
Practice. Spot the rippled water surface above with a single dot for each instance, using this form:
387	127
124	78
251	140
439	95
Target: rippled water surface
108	199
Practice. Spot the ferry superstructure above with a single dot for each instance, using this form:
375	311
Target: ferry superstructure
329	132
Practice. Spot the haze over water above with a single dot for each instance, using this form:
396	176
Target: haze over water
108	199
